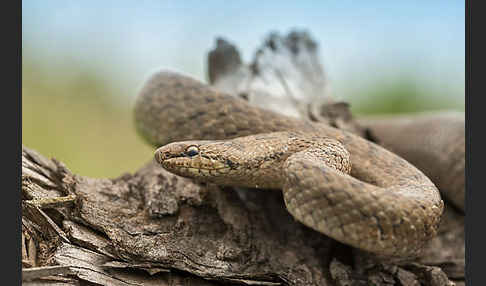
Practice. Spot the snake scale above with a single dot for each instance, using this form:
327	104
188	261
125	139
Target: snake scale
332	181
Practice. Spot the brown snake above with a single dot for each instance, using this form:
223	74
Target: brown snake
384	205
434	142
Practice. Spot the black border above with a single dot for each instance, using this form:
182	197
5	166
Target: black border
11	122
470	209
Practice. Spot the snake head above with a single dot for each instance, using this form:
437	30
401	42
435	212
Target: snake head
201	160
247	161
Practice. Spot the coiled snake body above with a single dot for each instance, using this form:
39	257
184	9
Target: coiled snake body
333	181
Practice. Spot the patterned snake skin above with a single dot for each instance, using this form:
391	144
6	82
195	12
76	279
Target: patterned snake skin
333	181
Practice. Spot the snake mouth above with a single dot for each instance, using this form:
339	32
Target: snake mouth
197	166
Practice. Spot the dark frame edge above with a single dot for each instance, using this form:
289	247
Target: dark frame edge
468	119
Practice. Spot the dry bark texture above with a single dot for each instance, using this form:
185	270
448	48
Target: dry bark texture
155	228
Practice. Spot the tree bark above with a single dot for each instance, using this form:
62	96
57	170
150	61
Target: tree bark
155	228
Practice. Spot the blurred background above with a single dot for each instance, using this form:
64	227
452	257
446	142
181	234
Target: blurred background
83	62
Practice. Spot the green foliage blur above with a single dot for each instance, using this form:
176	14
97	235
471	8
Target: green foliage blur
78	117
402	96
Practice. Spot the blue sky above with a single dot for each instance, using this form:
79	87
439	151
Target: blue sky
362	43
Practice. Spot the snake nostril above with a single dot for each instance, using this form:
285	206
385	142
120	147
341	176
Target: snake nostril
159	157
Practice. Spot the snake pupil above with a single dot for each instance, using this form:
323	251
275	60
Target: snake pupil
192	151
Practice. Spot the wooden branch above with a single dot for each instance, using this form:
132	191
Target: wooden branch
285	76
155	228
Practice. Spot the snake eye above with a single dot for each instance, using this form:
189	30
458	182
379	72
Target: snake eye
192	151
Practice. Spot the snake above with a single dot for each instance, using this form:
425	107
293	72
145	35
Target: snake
433	141
332	181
